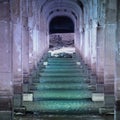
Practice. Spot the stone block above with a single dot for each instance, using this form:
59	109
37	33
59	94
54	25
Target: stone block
20	110
98	97
117	105
25	87
109	100
109	88
27	97
92	87
100	88
6	115
78	63
17	88
104	110
92	81
117	115
17	100
5	103
45	63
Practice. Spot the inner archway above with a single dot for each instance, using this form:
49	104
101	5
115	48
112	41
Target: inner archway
61	24
61	33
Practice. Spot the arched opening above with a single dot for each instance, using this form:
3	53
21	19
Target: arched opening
61	24
61	34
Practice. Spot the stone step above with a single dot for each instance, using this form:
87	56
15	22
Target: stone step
67	79
62	74
57	71
62	67
62	86
61	60
54	58
62	63
61	94
63	70
63	106
67	116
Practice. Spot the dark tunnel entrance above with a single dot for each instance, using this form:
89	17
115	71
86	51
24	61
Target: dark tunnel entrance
61	24
61	32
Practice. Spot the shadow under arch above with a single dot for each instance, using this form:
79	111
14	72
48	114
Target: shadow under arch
61	24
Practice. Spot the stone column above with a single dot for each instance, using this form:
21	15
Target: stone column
17	52
92	51
100	59
6	77
117	66
86	45
31	22
109	65
93	46
25	45
109	56
25	48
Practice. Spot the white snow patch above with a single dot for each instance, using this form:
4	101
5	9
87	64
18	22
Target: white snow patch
69	50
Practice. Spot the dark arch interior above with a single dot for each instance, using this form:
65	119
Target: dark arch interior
61	24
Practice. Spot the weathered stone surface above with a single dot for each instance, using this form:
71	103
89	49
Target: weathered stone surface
98	97
61	40
24	38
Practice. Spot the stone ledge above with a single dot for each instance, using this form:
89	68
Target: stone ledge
105	110
6	115
98	97
20	110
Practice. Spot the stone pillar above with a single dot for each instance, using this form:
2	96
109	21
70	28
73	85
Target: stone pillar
100	59
92	51
25	45
109	56
25	49
31	65
93	46
6	77
117	67
17	52
86	45
109	67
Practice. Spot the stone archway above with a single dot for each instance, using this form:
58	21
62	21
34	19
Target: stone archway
61	32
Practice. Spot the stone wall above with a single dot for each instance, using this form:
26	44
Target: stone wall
61	40
24	38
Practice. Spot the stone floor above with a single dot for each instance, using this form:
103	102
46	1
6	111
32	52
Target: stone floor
64	117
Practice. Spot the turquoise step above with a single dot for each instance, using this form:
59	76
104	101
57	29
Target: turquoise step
63	70
61	61
63	64
67	79
62	67
62	94
62	74
57	85
63	106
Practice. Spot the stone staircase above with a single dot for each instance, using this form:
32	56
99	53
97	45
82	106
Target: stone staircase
62	87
